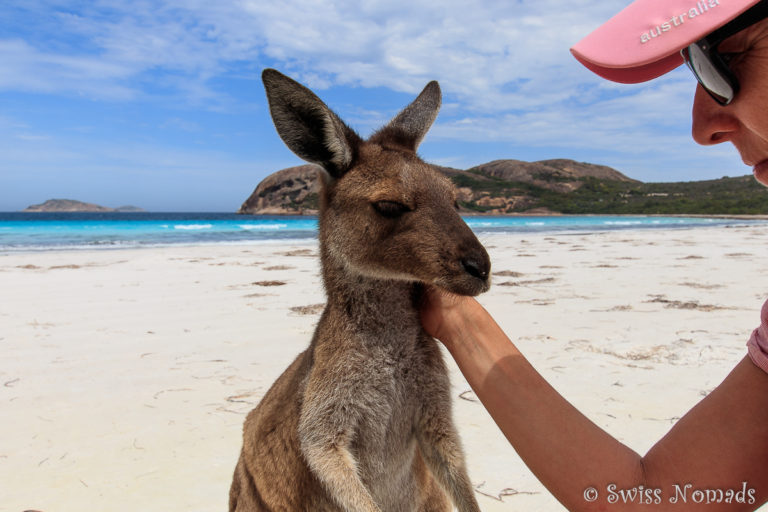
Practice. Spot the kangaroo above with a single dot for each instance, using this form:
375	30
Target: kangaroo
361	420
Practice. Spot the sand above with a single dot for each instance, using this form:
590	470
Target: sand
126	374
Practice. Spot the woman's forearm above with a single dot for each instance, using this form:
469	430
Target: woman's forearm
563	448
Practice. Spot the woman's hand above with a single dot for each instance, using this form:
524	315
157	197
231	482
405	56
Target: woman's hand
443	313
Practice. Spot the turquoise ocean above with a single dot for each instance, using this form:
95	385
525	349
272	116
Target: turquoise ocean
55	231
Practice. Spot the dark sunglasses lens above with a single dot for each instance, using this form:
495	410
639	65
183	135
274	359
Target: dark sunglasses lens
708	75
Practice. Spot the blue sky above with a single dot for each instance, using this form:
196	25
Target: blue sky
159	104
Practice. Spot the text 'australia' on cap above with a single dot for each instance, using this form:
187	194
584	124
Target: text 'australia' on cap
644	40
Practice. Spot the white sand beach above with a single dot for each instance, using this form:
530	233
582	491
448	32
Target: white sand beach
126	374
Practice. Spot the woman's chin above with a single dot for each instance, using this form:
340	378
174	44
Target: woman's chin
760	172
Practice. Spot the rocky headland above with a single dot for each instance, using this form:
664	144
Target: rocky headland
492	188
559	186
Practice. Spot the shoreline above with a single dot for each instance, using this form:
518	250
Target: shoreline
130	372
463	214
117	231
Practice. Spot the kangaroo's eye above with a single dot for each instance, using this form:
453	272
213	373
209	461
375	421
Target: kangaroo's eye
390	209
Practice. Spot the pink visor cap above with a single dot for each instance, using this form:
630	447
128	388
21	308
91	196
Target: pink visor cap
644	40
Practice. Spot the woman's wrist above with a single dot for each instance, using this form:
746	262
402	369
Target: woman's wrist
460	322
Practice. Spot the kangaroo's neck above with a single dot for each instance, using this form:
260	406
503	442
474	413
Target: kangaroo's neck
377	307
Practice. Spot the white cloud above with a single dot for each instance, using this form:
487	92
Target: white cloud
181	124
504	67
486	54
25	68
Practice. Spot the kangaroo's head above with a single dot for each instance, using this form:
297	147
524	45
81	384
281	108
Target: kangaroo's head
384	212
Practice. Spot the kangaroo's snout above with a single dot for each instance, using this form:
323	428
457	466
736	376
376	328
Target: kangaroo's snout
476	265
466	268
475	268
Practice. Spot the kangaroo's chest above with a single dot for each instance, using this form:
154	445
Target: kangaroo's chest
400	389
383	379
376	387
391	381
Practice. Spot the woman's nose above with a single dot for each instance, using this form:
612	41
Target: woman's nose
712	122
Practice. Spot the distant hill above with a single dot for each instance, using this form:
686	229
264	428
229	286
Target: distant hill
128	208
70	205
545	187
561	175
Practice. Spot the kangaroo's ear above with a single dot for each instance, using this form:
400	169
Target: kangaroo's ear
307	126
410	126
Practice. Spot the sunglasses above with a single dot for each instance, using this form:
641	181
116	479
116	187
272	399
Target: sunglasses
709	66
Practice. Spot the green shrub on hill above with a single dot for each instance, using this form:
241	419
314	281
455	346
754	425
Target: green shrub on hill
741	195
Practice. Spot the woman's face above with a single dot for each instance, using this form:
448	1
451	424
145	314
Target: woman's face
744	122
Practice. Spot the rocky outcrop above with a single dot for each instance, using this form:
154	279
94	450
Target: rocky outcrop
292	191
70	205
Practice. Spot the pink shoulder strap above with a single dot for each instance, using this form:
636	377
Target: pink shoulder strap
757	346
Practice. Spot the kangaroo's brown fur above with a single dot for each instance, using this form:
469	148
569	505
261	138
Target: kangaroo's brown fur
361	420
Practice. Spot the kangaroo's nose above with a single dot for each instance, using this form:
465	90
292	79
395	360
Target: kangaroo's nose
476	268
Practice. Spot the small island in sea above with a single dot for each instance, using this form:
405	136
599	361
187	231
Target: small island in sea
70	205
